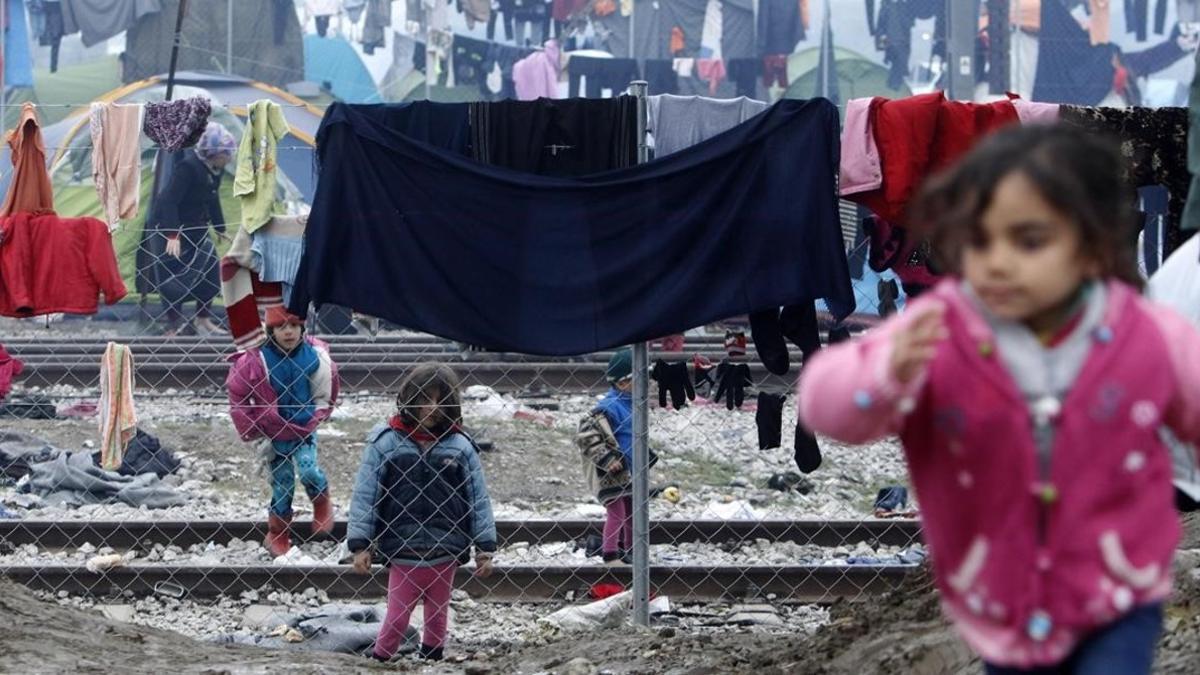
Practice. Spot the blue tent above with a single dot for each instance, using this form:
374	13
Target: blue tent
334	61
18	59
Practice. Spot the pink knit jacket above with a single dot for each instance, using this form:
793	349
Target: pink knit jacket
253	403
1027	568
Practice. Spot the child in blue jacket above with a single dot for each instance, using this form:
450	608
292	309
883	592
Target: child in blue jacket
421	502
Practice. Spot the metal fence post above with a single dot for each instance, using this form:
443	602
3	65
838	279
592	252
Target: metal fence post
641	437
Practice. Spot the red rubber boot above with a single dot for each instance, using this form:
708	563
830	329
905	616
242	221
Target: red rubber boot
279	540
322	514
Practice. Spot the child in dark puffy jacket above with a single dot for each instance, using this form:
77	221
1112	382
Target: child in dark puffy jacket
421	503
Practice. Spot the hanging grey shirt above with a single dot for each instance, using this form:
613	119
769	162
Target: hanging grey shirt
99	20
688	120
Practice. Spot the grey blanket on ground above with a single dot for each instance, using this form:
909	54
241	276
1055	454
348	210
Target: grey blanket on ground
345	629
19	450
73	480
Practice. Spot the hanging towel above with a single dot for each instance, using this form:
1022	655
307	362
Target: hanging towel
275	252
679	122
861	169
116	159
557	266
118	418
536	75
29	188
255	179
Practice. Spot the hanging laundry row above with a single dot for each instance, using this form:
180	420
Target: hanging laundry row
561	264
48	263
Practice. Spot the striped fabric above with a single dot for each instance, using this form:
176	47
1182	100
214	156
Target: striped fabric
253	272
118	418
276	259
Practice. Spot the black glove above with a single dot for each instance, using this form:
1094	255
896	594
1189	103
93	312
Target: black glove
808	453
673	378
732	380
769	419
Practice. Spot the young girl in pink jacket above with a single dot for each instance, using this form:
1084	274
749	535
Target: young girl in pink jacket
1028	391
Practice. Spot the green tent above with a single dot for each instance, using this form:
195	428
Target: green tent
858	76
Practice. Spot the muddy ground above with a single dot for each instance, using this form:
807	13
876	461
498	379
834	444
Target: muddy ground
900	633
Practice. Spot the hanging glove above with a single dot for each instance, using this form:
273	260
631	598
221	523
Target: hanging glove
702	375
769	420
732	380
799	324
808	453
673	378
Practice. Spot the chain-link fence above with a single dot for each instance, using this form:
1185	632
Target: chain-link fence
222	482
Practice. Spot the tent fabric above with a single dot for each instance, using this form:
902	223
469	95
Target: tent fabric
511	261
18	58
334	61
256	54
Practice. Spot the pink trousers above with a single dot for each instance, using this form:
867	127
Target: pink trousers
407	585
618	526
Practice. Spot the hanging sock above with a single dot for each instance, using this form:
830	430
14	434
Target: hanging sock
769	420
768	341
808	452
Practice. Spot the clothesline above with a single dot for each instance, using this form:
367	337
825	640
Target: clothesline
228	106
68	149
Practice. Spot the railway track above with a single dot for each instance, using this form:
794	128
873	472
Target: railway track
520	583
525	583
143	533
364	363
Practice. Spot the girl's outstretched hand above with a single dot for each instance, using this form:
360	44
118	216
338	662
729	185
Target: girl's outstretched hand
362	562
483	565
915	345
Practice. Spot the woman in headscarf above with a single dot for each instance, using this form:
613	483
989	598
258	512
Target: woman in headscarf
186	208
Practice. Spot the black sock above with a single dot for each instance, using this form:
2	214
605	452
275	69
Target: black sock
768	340
808	453
769	419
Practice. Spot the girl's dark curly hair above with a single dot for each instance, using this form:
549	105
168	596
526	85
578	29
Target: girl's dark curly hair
430	383
1080	174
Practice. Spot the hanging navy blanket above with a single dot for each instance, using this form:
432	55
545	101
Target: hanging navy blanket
512	261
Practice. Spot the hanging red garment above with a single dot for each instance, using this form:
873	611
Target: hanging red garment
10	368
29	190
919	135
50	264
